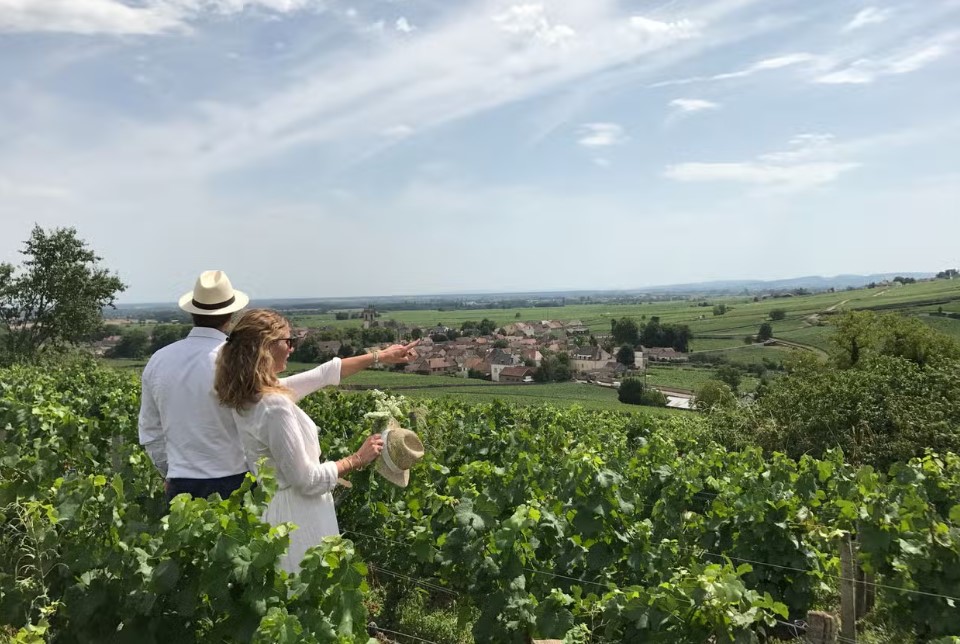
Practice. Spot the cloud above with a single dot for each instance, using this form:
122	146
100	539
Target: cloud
531	20
400	131
692	105
766	64
601	135
403	26
85	17
90	17
868	16
811	160
903	61
11	189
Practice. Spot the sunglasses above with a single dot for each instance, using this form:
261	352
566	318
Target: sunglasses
291	342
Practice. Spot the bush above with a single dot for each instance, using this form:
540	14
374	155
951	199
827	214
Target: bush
713	393
653	398
631	391
778	314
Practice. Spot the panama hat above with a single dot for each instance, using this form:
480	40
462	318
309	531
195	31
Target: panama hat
401	451
213	295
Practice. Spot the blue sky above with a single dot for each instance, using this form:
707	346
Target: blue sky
324	148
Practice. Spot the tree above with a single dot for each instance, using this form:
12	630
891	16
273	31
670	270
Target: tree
57	296
554	367
135	344
765	332
626	355
720	309
712	394
730	375
500	344
777	314
486	326
416	333
860	334
625	331
164	334
631	391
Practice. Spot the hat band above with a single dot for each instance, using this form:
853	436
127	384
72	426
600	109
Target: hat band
214	307
385	453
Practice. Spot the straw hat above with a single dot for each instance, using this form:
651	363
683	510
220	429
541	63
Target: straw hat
401	450
213	294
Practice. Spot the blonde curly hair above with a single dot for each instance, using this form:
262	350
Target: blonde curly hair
245	366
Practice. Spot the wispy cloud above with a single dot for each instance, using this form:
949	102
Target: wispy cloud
89	17
601	135
868	16
805	164
531	20
766	64
403	25
903	61
692	105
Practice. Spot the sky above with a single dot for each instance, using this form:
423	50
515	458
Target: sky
318	148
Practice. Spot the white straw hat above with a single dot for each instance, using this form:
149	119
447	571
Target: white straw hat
213	295
401	450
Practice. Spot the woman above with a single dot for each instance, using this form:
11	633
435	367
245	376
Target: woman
271	424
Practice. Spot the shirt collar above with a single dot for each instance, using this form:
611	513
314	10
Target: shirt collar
204	332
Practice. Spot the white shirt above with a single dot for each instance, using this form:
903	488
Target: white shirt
182	425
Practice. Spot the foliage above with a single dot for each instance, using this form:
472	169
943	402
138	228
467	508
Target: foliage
656	334
626	355
765	332
778	314
730	375
526	522
712	394
134	343
56	297
625	331
554	367
720	309
861	334
631	391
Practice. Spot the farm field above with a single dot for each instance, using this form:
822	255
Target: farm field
742	318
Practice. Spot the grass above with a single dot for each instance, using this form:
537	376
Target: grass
688	377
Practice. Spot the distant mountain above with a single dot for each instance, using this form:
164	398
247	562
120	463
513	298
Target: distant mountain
810	282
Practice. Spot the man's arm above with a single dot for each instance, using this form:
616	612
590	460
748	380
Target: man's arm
150	427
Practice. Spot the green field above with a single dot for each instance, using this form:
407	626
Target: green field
690	378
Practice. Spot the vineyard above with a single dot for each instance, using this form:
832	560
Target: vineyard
521	522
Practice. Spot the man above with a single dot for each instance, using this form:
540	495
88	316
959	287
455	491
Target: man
191	439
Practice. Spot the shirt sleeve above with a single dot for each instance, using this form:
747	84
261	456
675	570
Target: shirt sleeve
150	426
289	453
304	384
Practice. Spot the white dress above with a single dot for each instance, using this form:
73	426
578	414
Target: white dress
276	428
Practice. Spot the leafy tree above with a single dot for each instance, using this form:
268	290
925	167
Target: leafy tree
653	398
720	309
555	367
135	344
631	391
501	344
416	333
765	332
860	334
626	355
778	314
342	315
56	297
625	331
730	375
948	274
713	394
164	334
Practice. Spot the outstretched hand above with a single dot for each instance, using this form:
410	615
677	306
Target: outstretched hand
399	353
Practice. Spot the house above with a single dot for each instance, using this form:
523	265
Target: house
532	355
516	374
332	346
663	354
589	358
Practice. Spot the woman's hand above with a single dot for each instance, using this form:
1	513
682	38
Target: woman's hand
370	450
399	353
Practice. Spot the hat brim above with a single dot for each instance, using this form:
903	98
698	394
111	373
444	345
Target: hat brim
400	479
240	300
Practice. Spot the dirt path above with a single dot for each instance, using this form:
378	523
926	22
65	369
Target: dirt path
880	293
834	307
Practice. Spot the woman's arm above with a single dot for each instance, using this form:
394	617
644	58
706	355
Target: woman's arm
396	354
325	375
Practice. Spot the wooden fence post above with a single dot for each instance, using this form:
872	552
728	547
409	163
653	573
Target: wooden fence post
821	628
848	590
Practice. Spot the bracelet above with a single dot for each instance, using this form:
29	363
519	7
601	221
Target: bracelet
376	358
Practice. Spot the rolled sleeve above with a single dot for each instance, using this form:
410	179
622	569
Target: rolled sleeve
304	384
